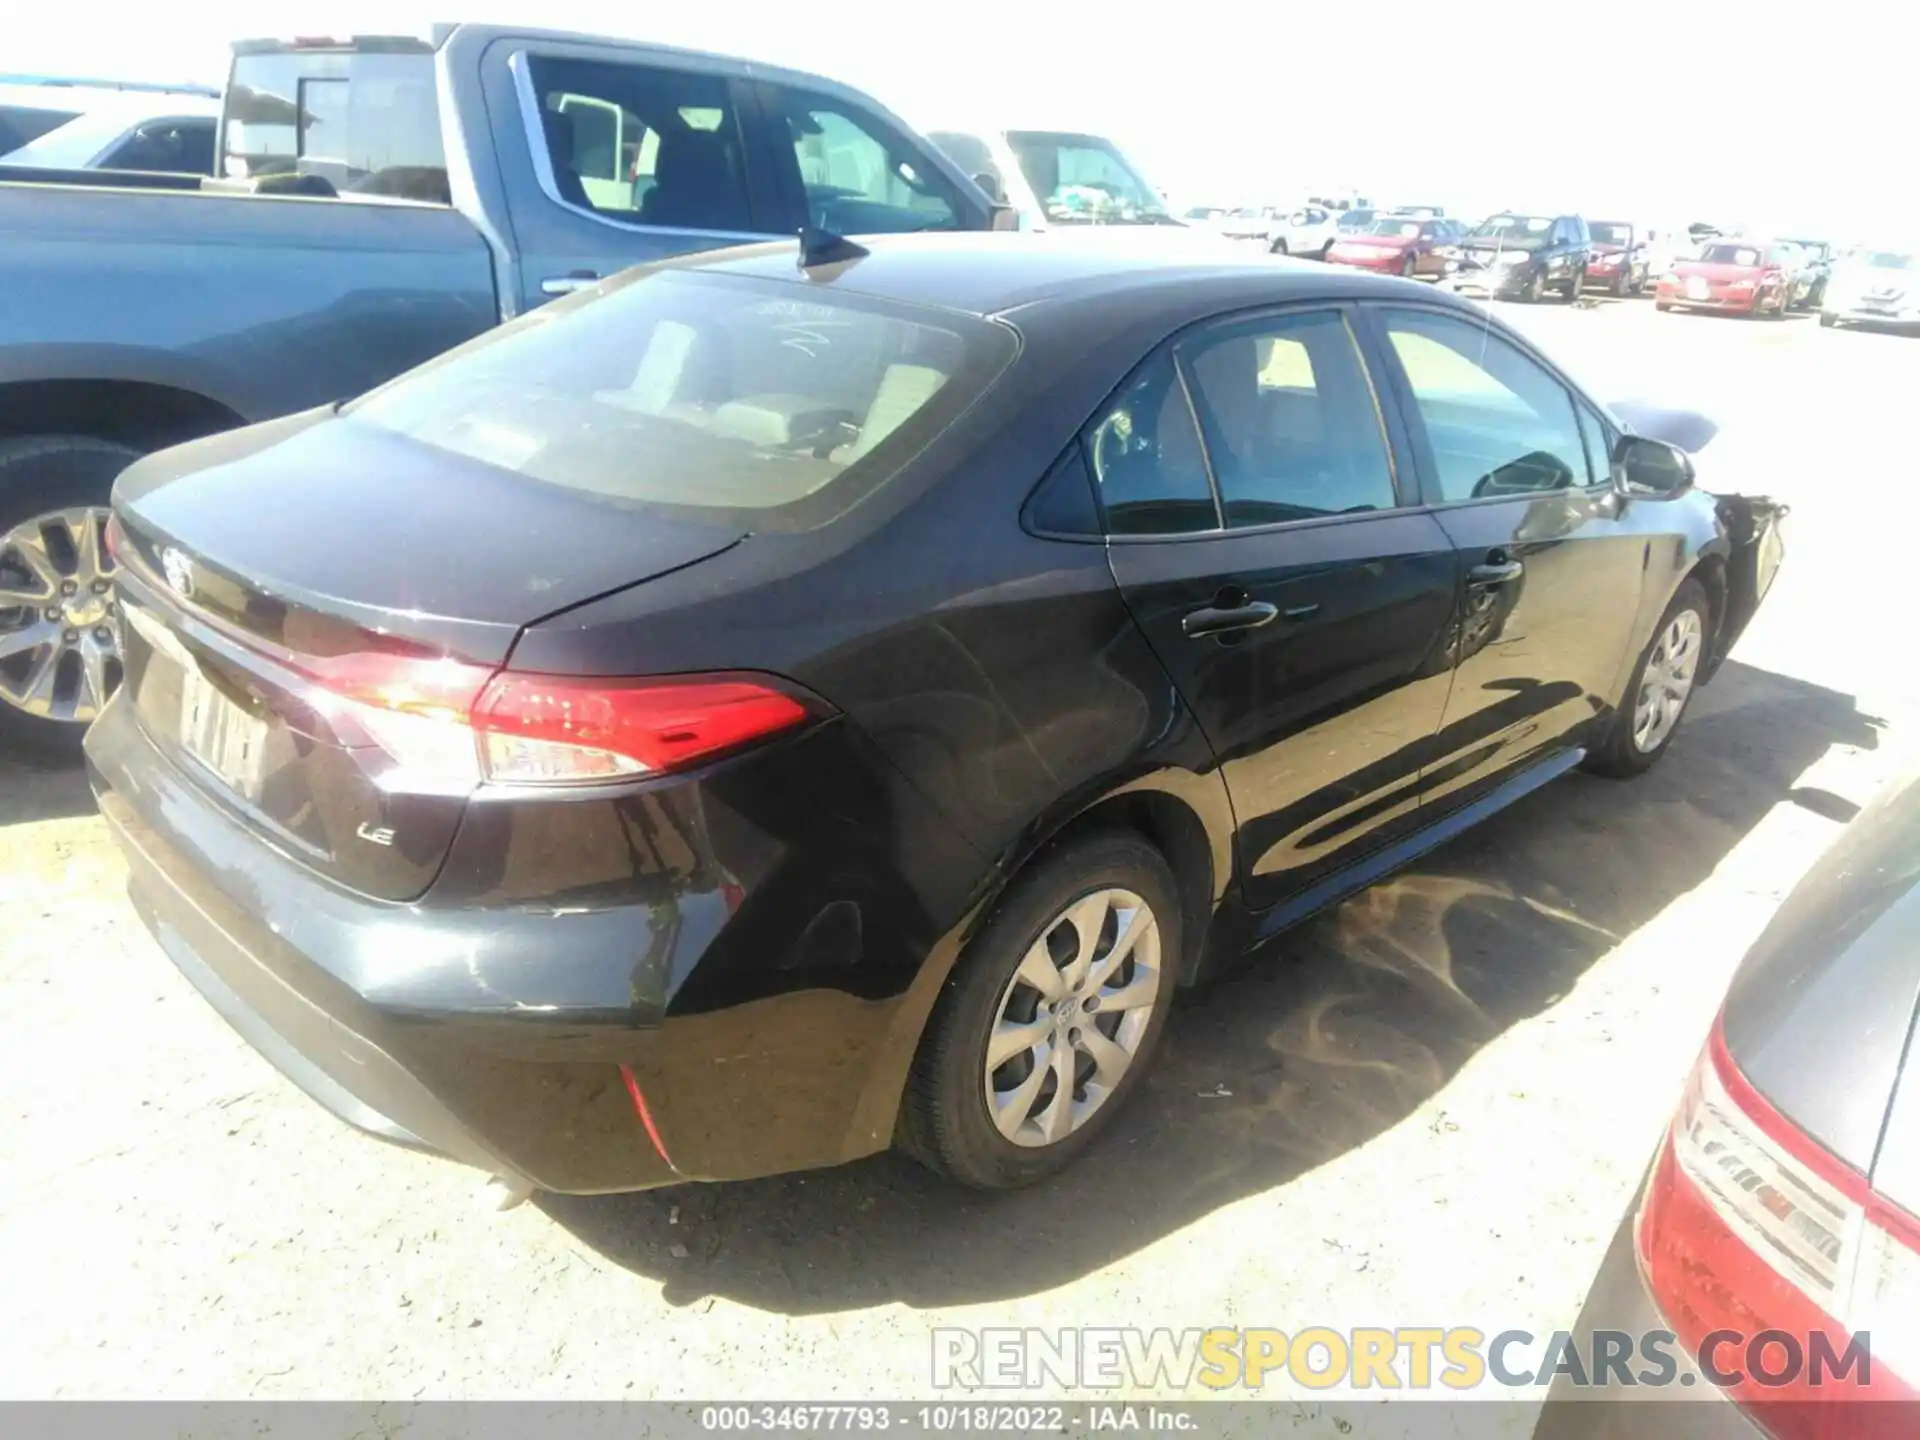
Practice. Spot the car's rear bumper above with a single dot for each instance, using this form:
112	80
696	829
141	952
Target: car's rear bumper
1687	1408
652	1032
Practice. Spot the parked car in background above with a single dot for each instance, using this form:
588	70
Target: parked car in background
1252	223
1874	287
1618	262
1739	277
213	302
76	125
564	861
1819	260
1058	178
1784	1199
1311	231
1514	256
1421	212
1393	245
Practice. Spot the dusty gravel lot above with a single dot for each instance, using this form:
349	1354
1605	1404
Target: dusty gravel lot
1430	1109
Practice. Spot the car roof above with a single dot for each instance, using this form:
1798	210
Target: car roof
998	273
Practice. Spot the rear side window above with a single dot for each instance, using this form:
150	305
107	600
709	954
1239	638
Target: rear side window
643	146
1290	422
701	392
1147	467
859	178
355	122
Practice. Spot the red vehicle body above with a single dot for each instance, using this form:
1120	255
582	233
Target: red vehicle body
1394	245
1738	276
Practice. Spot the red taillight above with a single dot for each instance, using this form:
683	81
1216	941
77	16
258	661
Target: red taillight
449	725
1750	1227
548	729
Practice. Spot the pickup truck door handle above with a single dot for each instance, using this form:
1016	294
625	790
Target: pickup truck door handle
568	283
1224	619
1495	572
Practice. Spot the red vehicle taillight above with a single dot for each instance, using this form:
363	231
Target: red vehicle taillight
450	725
1750	1226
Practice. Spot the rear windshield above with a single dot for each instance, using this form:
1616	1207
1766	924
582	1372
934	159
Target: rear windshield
20	124
1730	255
353	121
1402	229
702	392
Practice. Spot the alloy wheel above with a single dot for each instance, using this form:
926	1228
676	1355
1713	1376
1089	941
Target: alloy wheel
1667	681
59	625
1073	1017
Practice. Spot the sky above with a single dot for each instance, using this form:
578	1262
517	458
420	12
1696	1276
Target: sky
1789	118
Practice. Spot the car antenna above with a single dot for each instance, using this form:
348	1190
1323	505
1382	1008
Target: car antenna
820	248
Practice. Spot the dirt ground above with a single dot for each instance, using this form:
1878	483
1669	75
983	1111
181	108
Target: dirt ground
1430	1109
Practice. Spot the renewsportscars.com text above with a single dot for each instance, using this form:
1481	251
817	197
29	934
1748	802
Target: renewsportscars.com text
1379	1358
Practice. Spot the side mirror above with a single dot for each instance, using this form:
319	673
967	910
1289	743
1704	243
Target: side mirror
1649	469
1003	217
990	183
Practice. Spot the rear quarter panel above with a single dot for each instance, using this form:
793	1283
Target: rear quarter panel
265	304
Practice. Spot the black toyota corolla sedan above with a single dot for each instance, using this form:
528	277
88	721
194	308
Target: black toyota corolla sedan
760	711
1775	1248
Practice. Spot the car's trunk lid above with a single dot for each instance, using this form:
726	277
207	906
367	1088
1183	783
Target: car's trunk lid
271	575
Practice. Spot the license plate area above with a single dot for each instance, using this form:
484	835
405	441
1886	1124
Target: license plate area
1696	288
222	734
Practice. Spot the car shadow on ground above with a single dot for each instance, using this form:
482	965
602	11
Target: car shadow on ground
43	787
1354	1020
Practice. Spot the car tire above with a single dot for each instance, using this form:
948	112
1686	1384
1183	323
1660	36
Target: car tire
1326	252
1663	305
946	1121
1278	247
1626	749
1536	288
1408	267
1621	287
50	486
1828	320
1575	284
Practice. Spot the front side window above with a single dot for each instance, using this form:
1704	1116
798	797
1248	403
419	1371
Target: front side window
678	389
859	178
1147	467
1291	427
643	146
1497	423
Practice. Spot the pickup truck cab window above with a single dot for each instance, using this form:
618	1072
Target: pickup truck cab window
343	121
640	145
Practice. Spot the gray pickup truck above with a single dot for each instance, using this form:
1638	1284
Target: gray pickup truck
377	201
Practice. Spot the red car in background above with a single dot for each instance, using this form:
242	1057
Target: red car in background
1743	277
1395	245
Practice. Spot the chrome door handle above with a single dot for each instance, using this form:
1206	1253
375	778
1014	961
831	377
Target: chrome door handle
568	283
